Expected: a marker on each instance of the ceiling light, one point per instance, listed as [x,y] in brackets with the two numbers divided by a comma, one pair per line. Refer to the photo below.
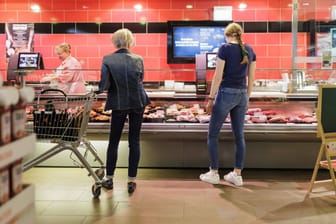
[189,6]
[242,6]
[35,8]
[137,7]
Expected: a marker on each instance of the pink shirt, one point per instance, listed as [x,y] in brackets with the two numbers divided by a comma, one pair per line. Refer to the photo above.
[70,76]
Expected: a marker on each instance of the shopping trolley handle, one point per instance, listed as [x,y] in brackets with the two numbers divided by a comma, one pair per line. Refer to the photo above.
[53,90]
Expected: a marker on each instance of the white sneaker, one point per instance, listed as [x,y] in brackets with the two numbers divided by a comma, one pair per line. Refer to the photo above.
[233,178]
[210,177]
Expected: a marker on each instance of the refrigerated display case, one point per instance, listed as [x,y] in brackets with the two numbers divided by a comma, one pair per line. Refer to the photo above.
[278,127]
[280,123]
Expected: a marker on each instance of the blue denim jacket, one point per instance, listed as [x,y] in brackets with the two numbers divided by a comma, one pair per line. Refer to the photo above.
[122,74]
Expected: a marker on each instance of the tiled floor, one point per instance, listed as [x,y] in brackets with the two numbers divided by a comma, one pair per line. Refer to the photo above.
[176,196]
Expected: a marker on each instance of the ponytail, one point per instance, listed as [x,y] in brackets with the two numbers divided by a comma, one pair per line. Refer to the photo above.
[245,53]
[235,30]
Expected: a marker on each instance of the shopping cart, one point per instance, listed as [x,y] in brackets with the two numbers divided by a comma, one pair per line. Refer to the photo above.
[62,119]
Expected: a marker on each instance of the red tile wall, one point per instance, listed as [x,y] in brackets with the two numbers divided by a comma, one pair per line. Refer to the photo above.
[273,49]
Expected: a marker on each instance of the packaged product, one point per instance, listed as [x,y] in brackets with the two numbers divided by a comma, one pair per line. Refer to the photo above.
[6,95]
[16,177]
[26,95]
[4,185]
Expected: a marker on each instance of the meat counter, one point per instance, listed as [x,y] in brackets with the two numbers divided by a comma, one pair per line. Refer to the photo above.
[268,111]
[279,127]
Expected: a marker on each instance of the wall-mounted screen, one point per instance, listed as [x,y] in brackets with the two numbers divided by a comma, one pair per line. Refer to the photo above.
[185,39]
[30,60]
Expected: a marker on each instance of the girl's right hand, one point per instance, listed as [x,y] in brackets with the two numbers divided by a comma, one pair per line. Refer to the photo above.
[209,106]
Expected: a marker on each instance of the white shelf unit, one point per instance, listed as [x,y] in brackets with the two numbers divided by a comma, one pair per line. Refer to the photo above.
[16,207]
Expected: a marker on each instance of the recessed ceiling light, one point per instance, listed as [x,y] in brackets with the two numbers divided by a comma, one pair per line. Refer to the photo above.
[137,7]
[189,6]
[35,8]
[242,5]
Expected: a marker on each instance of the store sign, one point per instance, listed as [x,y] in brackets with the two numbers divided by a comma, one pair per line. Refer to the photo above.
[19,38]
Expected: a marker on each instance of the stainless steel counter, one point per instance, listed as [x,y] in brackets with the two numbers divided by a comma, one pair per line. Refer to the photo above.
[289,128]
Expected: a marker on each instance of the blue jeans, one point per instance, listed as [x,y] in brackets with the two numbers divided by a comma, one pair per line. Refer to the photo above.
[135,118]
[235,102]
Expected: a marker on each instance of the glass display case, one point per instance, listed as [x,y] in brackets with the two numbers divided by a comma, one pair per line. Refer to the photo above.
[280,121]
[284,103]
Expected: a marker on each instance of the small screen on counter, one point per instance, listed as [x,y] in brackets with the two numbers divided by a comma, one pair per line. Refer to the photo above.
[211,59]
[28,60]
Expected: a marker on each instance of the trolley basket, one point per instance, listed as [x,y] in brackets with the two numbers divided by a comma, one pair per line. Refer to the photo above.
[60,118]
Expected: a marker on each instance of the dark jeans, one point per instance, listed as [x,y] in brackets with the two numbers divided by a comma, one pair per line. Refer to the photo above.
[135,117]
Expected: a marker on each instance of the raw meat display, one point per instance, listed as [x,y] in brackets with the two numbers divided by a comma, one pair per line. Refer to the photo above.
[186,115]
[251,111]
[98,114]
[258,119]
[203,118]
[194,112]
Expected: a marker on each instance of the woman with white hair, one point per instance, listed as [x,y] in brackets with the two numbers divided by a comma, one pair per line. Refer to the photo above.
[122,74]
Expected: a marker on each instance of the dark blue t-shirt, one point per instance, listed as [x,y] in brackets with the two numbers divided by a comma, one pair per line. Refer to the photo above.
[234,75]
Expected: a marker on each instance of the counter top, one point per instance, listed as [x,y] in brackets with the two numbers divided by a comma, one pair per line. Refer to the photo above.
[198,127]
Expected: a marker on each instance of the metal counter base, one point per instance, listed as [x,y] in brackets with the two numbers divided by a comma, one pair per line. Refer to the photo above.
[183,145]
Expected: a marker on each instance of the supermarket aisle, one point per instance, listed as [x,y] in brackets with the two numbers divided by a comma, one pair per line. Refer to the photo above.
[176,196]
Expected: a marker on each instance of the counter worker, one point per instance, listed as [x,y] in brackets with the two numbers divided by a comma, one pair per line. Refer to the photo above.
[68,75]
[122,74]
[230,91]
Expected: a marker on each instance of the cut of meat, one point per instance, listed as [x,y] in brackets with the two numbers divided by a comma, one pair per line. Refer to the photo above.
[278,119]
[259,119]
[251,111]
[269,112]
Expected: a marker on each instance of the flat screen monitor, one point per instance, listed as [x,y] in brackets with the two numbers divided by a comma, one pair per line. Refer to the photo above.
[30,60]
[211,59]
[333,41]
[185,39]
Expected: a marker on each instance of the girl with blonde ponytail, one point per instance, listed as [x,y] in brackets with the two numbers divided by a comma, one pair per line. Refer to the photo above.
[234,30]
[230,91]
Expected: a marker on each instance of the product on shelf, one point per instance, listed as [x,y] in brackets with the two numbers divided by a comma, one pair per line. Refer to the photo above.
[4,185]
[16,177]
[8,97]
[26,95]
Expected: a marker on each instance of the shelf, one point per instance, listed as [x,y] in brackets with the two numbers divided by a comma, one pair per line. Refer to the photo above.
[18,204]
[16,150]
